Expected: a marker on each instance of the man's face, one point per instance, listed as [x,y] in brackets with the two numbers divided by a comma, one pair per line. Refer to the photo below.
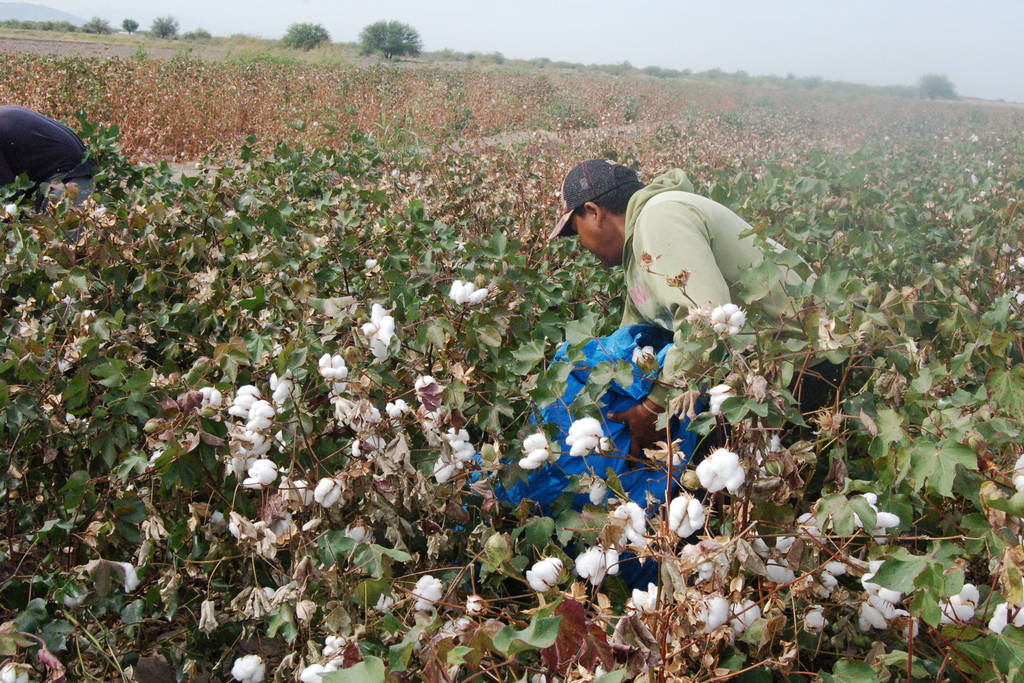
[598,234]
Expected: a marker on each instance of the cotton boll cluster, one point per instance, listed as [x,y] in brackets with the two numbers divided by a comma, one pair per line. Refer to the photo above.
[537,450]
[334,646]
[298,491]
[262,472]
[281,388]
[333,368]
[598,491]
[827,581]
[379,331]
[384,603]
[719,393]
[464,293]
[396,410]
[11,210]
[777,572]
[543,576]
[595,563]
[634,523]
[685,516]
[586,435]
[428,392]
[248,669]
[1004,615]
[367,446]
[462,451]
[644,602]
[883,520]
[960,607]
[728,320]
[211,397]
[721,470]
[327,492]
[706,559]
[427,592]
[261,415]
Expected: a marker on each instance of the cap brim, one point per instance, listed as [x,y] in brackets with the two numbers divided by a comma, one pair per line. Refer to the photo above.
[563,228]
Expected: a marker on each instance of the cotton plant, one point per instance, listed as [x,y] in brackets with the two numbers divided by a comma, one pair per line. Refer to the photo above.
[721,470]
[379,331]
[464,293]
[586,436]
[543,576]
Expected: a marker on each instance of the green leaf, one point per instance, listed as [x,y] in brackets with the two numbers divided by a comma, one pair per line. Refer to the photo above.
[899,571]
[611,677]
[370,670]
[541,633]
[398,655]
[850,672]
[1006,389]
[538,531]
[862,508]
[457,655]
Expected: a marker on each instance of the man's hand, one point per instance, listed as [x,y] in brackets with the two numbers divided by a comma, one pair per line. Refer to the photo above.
[643,432]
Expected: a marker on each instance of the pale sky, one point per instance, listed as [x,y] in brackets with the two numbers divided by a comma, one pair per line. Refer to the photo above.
[979,45]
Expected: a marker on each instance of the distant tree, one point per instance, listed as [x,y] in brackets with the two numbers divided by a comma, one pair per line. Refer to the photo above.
[164,27]
[391,39]
[937,86]
[130,25]
[305,36]
[97,25]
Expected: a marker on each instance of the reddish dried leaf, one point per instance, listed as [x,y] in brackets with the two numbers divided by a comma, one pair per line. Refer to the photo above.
[579,640]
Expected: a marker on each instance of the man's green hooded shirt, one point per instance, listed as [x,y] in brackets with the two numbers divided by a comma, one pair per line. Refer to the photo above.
[675,236]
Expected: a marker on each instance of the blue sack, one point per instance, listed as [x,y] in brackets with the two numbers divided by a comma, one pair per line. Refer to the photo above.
[547,483]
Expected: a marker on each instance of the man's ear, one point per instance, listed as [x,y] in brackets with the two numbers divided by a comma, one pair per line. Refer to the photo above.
[591,210]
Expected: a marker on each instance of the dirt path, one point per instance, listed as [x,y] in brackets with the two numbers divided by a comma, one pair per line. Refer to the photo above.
[65,48]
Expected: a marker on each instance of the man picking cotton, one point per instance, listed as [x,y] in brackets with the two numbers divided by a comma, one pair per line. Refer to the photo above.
[680,251]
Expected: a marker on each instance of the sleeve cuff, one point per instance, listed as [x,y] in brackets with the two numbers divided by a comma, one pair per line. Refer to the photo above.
[659,395]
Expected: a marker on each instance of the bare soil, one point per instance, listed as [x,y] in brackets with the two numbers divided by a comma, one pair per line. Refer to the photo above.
[82,48]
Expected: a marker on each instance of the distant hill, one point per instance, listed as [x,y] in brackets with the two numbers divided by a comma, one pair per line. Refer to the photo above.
[25,11]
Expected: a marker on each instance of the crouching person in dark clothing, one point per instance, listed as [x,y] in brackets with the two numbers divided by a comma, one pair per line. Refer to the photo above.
[46,151]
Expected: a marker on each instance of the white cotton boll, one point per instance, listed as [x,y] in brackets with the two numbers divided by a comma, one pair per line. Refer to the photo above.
[300,487]
[728,320]
[714,613]
[544,574]
[828,585]
[457,292]
[635,526]
[777,573]
[244,398]
[333,368]
[784,543]
[261,415]
[262,472]
[809,525]
[131,577]
[743,615]
[598,491]
[719,393]
[396,409]
[960,607]
[875,615]
[384,603]
[11,673]
[595,563]
[211,397]
[334,645]
[646,602]
[312,673]
[886,520]
[248,669]
[721,470]
[444,471]
[814,619]
[12,211]
[478,296]
[281,388]
[327,492]
[370,263]
[760,547]
[537,451]
[427,592]
[584,436]
[1002,616]
[835,568]
[359,532]
[685,516]
[475,604]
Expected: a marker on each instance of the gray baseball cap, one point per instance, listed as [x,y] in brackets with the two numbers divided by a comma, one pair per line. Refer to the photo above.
[587,181]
